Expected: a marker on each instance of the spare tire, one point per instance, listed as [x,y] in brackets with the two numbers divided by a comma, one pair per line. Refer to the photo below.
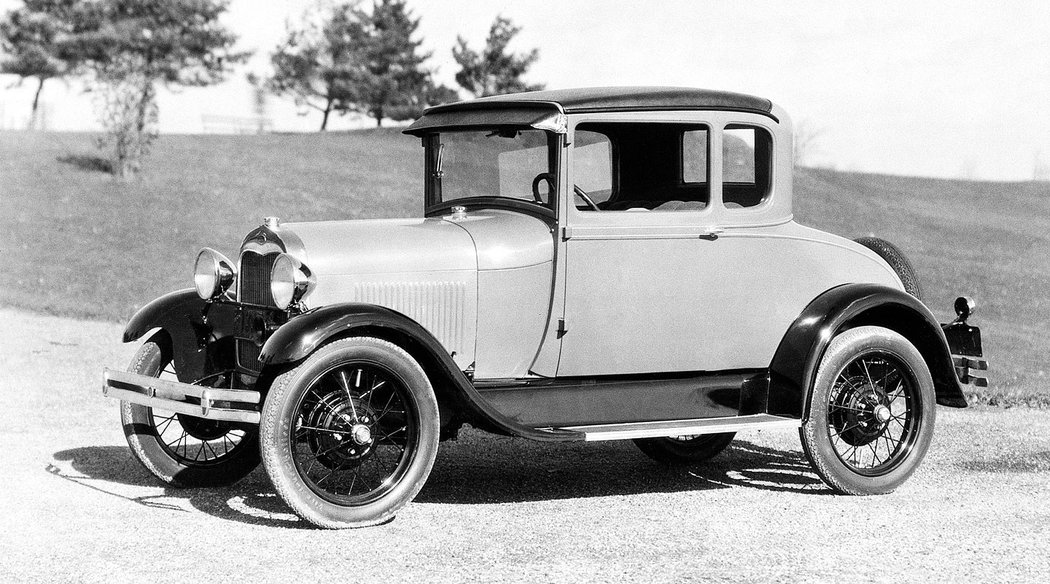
[895,258]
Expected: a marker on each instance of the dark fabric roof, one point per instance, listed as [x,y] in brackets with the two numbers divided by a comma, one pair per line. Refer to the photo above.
[523,108]
[622,98]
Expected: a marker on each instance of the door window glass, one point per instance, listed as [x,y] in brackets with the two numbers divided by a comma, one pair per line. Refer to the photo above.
[747,163]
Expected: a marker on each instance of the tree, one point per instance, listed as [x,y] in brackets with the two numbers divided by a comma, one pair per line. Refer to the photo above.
[134,45]
[36,38]
[392,81]
[494,70]
[358,61]
[313,65]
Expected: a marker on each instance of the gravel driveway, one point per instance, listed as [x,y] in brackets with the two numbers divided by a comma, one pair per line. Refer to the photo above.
[76,507]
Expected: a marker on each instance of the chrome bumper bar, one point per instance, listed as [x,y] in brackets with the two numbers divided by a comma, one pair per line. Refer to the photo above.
[184,398]
[964,368]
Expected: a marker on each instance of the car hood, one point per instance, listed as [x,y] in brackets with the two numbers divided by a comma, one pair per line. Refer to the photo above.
[484,240]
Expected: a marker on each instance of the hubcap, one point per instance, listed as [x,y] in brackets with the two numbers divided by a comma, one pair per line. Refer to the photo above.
[362,435]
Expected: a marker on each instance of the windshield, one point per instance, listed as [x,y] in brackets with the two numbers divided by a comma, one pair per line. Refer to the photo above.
[493,166]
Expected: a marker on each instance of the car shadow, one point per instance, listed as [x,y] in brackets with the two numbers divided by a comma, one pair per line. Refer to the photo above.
[516,470]
[112,470]
[1012,463]
[488,470]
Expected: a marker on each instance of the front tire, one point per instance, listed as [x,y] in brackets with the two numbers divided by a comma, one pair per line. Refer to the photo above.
[871,412]
[350,434]
[181,450]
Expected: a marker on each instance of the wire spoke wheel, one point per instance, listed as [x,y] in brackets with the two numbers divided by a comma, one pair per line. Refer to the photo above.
[183,450]
[350,433]
[871,412]
[355,428]
[685,449]
[871,418]
[193,441]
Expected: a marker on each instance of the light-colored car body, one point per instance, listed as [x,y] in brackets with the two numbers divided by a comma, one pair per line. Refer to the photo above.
[640,292]
[591,264]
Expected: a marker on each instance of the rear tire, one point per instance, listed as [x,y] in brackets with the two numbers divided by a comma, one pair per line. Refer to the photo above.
[871,413]
[896,259]
[676,450]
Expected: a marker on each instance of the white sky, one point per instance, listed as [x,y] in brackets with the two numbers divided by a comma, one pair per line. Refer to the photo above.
[906,87]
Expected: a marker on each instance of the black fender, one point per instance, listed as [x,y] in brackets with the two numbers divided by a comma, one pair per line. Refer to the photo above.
[303,334]
[193,325]
[794,365]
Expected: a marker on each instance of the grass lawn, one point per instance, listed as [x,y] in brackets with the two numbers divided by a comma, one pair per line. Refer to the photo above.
[75,242]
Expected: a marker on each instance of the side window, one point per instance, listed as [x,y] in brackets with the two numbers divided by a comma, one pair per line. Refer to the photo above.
[640,166]
[747,165]
[694,156]
[592,166]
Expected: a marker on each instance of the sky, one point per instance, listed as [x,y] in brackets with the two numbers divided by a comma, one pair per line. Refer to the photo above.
[927,88]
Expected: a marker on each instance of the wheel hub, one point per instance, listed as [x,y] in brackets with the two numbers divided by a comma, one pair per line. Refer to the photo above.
[860,412]
[340,430]
[203,429]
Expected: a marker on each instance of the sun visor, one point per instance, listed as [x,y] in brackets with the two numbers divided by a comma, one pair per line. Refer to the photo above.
[541,116]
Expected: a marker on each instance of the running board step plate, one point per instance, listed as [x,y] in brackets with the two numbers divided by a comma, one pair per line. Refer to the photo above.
[683,427]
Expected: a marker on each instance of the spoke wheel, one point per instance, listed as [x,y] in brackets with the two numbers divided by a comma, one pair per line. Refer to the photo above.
[350,434]
[354,426]
[685,449]
[870,419]
[871,412]
[182,450]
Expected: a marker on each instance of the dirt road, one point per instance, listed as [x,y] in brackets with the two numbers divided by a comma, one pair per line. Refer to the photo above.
[74,506]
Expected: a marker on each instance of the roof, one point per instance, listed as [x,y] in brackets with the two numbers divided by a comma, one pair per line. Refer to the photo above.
[589,99]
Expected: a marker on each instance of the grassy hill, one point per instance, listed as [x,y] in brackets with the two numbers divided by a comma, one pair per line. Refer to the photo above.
[75,242]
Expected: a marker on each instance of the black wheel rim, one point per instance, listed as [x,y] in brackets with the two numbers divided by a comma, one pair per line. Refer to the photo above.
[195,442]
[874,413]
[355,434]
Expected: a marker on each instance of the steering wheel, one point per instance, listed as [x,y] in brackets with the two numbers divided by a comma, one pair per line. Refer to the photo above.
[543,176]
[579,193]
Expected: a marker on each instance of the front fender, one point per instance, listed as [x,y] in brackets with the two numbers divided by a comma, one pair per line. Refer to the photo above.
[192,324]
[173,310]
[303,334]
[794,365]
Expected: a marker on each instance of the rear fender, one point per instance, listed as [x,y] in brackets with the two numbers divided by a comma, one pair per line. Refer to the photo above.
[794,365]
[303,334]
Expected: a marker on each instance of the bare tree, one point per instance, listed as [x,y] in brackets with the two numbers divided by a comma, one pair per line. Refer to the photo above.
[805,141]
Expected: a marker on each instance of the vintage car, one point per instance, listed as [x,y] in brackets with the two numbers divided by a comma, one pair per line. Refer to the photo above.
[591,264]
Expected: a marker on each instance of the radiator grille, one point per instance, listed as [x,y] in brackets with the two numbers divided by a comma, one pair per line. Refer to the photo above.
[255,278]
[254,289]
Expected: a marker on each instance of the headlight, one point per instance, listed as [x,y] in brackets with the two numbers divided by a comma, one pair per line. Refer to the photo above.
[213,274]
[290,281]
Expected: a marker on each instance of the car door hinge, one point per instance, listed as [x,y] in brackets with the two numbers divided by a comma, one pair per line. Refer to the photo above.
[561,328]
[566,233]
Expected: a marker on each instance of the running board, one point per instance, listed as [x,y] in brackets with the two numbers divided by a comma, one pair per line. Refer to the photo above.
[682,427]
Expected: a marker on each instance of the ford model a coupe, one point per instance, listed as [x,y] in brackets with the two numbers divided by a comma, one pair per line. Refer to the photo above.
[593,264]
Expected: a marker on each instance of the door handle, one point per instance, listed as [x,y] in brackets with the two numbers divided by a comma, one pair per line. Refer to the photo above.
[711,233]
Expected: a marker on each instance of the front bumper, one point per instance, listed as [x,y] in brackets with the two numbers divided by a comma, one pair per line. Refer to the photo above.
[212,403]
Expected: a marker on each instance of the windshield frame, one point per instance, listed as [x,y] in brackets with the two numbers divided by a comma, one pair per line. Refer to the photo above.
[432,182]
